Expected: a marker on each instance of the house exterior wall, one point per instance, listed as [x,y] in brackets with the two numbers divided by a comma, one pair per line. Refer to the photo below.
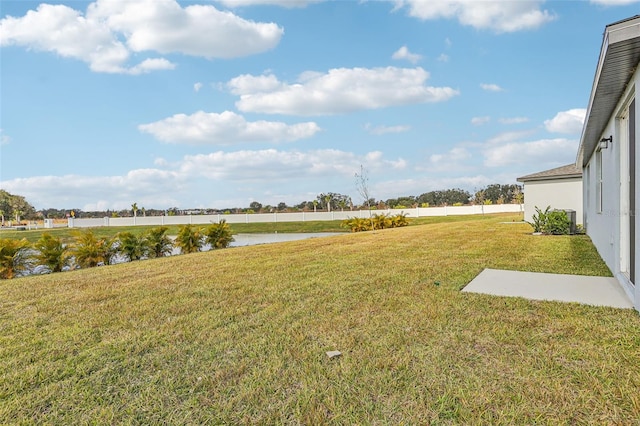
[561,194]
[604,227]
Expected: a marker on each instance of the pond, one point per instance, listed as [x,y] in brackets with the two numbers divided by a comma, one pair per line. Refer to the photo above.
[254,239]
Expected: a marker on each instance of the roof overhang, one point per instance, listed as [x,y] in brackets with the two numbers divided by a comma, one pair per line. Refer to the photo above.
[619,58]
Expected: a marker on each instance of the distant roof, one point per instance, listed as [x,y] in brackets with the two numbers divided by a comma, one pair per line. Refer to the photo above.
[564,172]
[619,57]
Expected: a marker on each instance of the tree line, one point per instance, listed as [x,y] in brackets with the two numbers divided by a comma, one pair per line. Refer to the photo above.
[15,207]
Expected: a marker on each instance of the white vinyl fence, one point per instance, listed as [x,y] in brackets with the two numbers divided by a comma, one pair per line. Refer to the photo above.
[290,217]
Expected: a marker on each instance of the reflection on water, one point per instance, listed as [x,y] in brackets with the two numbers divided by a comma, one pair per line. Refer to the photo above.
[254,239]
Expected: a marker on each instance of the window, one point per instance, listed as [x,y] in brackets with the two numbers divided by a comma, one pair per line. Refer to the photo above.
[599,181]
[587,185]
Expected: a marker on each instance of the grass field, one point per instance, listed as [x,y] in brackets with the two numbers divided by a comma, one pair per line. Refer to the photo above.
[239,336]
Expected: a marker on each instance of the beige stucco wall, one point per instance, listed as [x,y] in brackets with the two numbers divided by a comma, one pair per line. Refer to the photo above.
[562,194]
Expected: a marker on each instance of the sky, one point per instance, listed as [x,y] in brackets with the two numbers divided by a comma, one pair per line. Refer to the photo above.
[216,104]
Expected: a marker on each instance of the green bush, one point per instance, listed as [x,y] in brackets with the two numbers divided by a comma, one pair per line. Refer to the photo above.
[557,223]
[553,222]
[377,221]
[160,244]
[132,247]
[15,258]
[218,235]
[89,251]
[51,253]
[539,219]
[189,239]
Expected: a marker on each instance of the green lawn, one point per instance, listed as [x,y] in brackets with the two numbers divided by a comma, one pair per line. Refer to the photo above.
[239,336]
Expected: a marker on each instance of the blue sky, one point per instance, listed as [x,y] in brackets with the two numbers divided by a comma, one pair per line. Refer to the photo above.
[220,103]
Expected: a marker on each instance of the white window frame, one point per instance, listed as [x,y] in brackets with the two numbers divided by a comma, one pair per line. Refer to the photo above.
[599,182]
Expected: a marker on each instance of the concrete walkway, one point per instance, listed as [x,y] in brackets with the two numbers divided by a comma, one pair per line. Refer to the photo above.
[598,291]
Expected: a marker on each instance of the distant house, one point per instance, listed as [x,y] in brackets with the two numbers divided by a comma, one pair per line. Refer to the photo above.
[609,156]
[560,188]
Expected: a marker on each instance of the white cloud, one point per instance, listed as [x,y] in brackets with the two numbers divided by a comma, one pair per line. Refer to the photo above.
[110,31]
[150,187]
[382,130]
[513,120]
[197,86]
[546,151]
[226,128]
[198,30]
[149,65]
[498,16]
[271,165]
[228,171]
[506,137]
[479,121]
[491,87]
[569,122]
[614,2]
[453,159]
[289,4]
[443,58]
[4,138]
[339,90]
[404,53]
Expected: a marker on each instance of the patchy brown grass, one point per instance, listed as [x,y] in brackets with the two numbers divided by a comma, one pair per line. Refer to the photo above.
[239,336]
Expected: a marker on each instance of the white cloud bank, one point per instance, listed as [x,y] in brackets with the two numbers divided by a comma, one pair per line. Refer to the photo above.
[498,16]
[340,90]
[569,122]
[545,152]
[226,128]
[165,185]
[289,4]
[110,31]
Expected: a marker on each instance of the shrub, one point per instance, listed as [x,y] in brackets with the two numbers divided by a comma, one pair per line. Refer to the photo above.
[539,219]
[554,222]
[14,257]
[218,235]
[51,253]
[357,224]
[160,244]
[377,221]
[89,251]
[189,239]
[399,220]
[558,223]
[132,247]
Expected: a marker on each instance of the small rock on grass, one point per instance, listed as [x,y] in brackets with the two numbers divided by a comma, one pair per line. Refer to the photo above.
[334,354]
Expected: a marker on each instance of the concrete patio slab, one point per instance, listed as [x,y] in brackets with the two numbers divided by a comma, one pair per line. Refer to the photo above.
[597,291]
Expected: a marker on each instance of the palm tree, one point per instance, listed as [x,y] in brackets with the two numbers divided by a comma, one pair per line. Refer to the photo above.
[15,258]
[52,254]
[108,249]
[160,244]
[218,235]
[132,247]
[90,251]
[134,207]
[189,239]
